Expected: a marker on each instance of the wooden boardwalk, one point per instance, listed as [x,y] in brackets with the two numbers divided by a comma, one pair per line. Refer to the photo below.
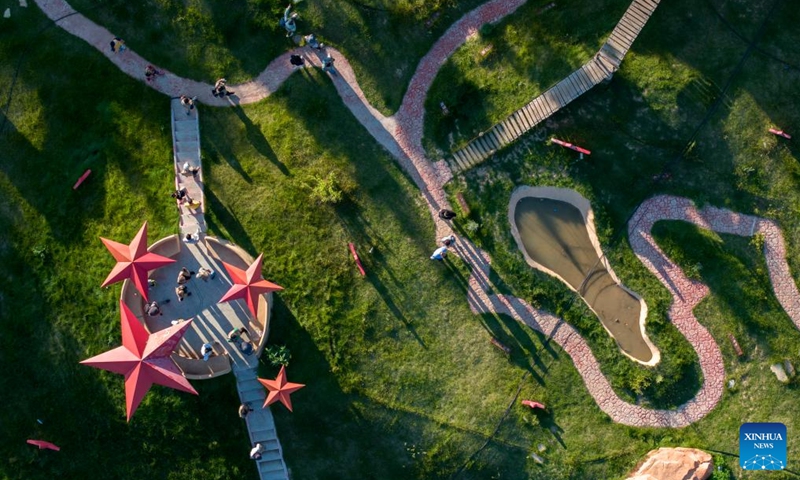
[593,72]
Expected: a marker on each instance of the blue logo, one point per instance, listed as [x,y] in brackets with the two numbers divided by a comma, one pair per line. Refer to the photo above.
[762,446]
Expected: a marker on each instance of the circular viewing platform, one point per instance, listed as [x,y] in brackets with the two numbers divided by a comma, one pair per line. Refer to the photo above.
[211,321]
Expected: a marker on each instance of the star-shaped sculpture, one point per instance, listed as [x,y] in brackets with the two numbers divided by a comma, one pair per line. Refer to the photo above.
[133,261]
[248,285]
[144,359]
[280,389]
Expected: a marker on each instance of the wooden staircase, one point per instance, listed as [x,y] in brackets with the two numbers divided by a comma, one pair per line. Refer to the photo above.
[595,71]
[261,426]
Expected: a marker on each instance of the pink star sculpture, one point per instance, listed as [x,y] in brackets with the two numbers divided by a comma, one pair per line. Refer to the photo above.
[280,389]
[134,261]
[144,359]
[248,285]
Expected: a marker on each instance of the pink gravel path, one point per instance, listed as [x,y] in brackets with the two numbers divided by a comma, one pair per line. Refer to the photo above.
[686,295]
[401,135]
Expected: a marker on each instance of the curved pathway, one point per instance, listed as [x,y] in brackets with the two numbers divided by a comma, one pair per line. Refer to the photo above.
[401,135]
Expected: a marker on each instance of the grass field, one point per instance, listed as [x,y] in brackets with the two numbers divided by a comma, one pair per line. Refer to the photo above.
[402,381]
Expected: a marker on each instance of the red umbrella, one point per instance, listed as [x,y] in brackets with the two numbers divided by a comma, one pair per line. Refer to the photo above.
[133,261]
[248,285]
[280,389]
[42,444]
[144,359]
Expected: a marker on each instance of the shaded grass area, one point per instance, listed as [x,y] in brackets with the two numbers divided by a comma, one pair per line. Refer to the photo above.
[505,67]
[204,40]
[653,130]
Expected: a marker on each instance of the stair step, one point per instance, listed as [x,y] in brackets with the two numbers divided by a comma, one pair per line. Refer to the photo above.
[264,433]
[271,465]
[257,420]
[185,125]
[189,136]
[274,476]
[186,146]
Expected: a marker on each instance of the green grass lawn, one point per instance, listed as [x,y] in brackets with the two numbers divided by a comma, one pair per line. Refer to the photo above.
[402,381]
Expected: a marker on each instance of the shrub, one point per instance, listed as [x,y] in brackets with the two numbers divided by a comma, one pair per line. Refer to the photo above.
[278,355]
[325,189]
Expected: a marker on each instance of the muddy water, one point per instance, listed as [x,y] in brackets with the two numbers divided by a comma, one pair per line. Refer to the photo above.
[555,236]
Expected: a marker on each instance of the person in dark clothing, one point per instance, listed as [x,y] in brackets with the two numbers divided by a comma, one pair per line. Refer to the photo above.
[296,60]
[447,214]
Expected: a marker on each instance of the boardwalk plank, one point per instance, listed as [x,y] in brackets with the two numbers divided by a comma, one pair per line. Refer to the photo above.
[540,107]
[523,117]
[530,121]
[584,79]
[456,162]
[490,137]
[512,125]
[477,153]
[533,113]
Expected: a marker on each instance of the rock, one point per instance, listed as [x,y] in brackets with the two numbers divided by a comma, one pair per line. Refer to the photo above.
[673,463]
[787,365]
[23,3]
[7,13]
[731,383]
[779,372]
[537,458]
[542,448]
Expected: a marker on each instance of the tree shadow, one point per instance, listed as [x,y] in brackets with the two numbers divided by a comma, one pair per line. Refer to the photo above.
[219,218]
[258,141]
[523,351]
[326,418]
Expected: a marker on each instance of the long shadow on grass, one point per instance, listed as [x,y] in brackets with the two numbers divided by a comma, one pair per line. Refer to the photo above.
[45,177]
[220,217]
[320,109]
[258,141]
[326,419]
[523,351]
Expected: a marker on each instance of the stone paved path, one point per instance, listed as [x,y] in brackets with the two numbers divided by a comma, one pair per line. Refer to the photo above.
[401,135]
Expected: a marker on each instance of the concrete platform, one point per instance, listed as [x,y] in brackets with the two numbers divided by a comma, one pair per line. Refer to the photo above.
[211,321]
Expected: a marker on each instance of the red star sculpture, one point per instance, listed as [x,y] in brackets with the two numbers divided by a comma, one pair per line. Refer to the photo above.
[248,285]
[280,389]
[144,359]
[133,261]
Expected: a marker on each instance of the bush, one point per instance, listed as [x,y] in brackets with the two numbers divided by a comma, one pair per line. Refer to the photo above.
[278,355]
[325,189]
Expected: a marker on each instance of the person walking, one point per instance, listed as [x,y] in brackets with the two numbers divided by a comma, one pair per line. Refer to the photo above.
[287,21]
[327,64]
[150,73]
[439,254]
[244,409]
[188,103]
[221,89]
[256,451]
[448,241]
[118,45]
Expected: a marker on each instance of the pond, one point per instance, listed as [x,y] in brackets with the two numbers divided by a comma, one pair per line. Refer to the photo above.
[554,228]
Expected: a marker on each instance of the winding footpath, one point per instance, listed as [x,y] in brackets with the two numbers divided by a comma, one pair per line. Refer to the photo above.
[401,135]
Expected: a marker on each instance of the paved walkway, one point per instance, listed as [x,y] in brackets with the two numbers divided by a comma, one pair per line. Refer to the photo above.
[401,135]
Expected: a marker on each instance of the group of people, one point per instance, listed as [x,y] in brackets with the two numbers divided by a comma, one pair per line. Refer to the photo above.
[446,242]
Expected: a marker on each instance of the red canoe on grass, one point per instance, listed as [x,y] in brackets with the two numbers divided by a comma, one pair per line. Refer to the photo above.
[43,444]
[532,404]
